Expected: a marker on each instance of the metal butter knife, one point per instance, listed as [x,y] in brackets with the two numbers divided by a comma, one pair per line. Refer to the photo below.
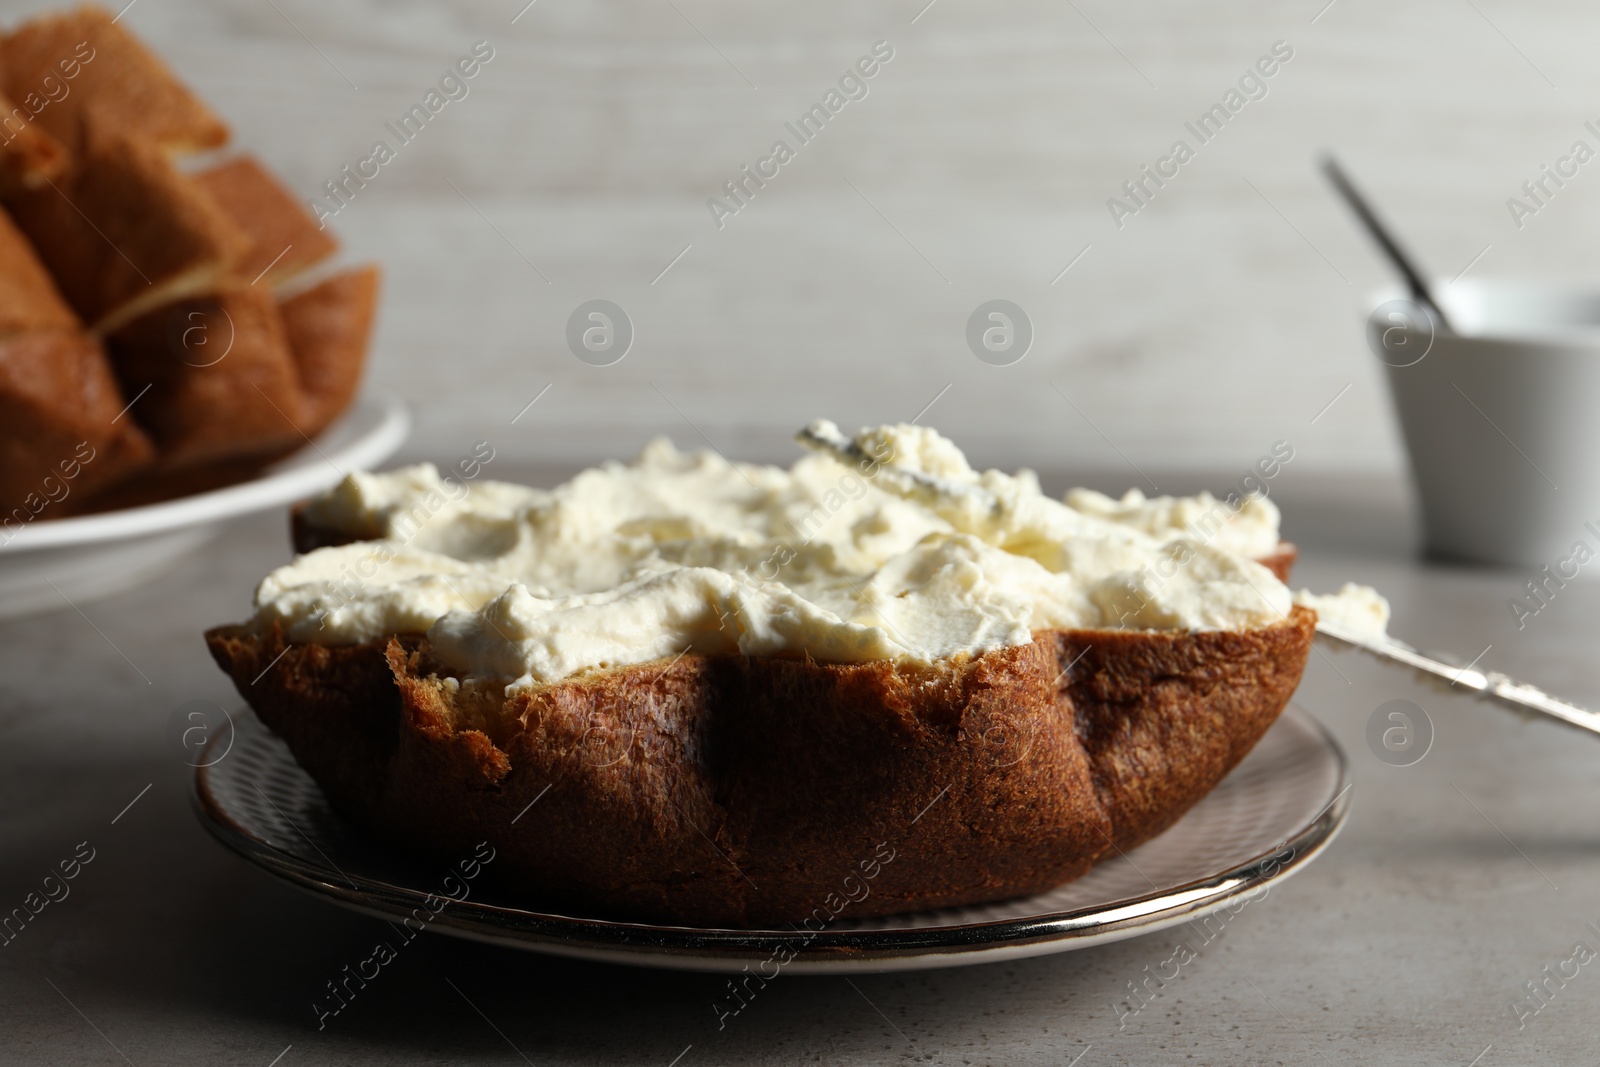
[1491,685]
[928,490]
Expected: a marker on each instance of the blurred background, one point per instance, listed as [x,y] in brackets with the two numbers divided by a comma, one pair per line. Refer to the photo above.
[1222,317]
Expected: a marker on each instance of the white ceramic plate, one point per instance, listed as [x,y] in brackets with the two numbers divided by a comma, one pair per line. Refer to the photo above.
[48,564]
[1277,810]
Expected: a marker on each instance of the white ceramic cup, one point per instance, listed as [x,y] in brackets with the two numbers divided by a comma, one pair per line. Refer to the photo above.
[1502,419]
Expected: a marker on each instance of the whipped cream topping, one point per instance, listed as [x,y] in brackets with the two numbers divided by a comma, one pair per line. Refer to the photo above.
[1357,610]
[629,563]
[1251,531]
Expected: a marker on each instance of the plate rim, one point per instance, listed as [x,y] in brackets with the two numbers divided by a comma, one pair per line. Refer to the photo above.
[391,426]
[714,948]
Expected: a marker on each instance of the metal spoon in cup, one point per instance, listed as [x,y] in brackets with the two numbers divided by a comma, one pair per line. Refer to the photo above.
[1386,241]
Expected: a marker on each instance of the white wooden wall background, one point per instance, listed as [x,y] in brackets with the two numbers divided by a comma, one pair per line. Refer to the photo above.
[1223,317]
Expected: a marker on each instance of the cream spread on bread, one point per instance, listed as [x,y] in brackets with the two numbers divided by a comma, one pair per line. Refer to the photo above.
[1358,610]
[1251,530]
[628,563]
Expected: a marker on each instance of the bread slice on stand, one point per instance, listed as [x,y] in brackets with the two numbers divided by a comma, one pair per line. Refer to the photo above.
[180,273]
[285,239]
[67,431]
[70,63]
[29,157]
[223,383]
[124,232]
[329,327]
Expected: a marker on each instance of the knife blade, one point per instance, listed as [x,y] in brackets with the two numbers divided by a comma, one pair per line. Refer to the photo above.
[1491,685]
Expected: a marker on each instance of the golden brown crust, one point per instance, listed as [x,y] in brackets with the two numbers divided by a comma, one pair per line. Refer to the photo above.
[29,157]
[223,386]
[731,790]
[105,71]
[124,232]
[29,299]
[285,239]
[308,536]
[1164,716]
[65,436]
[1282,560]
[109,232]
[328,327]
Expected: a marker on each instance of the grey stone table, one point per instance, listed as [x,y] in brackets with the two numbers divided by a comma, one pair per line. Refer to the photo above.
[1456,882]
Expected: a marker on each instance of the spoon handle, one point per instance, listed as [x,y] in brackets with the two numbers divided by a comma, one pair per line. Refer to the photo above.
[927,489]
[1386,241]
